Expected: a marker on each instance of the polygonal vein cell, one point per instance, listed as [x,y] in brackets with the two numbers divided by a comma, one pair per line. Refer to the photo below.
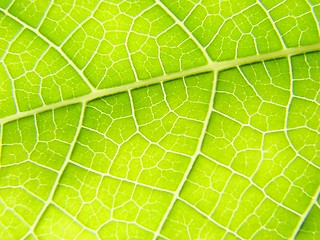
[33,151]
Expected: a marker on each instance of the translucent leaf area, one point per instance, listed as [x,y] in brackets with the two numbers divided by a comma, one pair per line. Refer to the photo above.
[165,119]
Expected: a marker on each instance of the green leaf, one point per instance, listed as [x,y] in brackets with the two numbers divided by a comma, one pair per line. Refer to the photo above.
[160,119]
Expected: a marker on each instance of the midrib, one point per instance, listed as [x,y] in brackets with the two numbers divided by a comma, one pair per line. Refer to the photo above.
[212,66]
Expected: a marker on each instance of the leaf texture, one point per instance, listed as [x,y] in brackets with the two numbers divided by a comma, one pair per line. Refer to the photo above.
[190,119]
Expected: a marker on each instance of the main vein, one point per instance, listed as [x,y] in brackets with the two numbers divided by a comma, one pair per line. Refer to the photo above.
[212,66]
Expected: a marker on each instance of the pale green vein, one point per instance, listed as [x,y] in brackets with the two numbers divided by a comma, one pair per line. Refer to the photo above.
[213,66]
[185,29]
[61,171]
[58,49]
[305,214]
[193,159]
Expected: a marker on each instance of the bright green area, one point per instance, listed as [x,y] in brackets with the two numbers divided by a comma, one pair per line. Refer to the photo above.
[30,12]
[40,74]
[182,217]
[33,150]
[113,126]
[171,117]
[255,94]
[311,226]
[60,226]
[295,21]
[304,112]
[7,103]
[305,81]
[233,145]
[63,17]
[100,199]
[226,29]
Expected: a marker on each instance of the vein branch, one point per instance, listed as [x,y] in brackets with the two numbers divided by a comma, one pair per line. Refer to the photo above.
[61,171]
[185,29]
[304,216]
[193,160]
[212,66]
[57,48]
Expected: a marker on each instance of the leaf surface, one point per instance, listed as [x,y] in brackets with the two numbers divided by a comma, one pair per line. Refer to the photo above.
[159,119]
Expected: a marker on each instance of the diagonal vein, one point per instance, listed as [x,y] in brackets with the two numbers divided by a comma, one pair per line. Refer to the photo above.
[212,66]
[304,216]
[56,182]
[57,48]
[185,29]
[193,160]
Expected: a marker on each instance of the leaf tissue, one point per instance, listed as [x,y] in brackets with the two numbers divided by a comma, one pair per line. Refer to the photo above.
[165,119]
